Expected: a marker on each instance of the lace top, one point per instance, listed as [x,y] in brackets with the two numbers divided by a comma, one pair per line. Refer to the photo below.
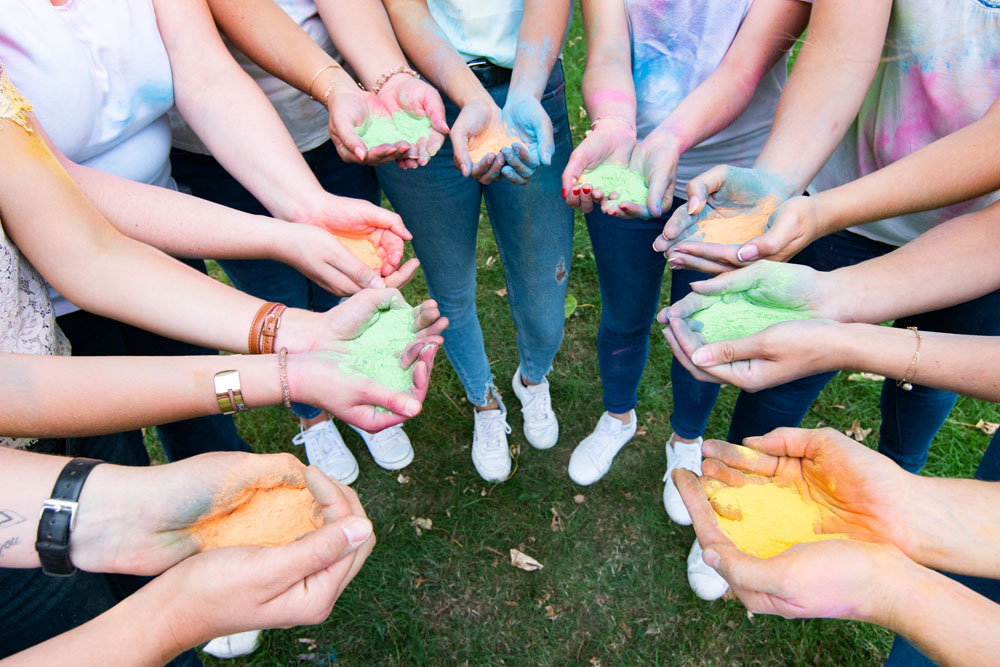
[27,321]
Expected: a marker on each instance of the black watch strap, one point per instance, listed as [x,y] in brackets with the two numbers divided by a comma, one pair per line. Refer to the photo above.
[58,518]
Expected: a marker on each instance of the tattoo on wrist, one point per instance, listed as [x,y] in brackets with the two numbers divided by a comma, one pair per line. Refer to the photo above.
[10,518]
[12,542]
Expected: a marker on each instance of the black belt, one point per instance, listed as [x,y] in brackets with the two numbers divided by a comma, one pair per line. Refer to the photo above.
[57,446]
[489,74]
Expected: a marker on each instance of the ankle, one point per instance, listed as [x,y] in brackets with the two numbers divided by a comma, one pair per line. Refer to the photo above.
[492,405]
[308,423]
[623,417]
[685,441]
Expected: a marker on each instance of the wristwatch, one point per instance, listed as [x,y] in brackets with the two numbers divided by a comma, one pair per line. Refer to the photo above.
[58,518]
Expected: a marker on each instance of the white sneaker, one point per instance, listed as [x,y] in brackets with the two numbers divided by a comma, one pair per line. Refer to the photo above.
[540,426]
[233,646]
[679,455]
[490,453]
[390,447]
[704,581]
[592,458]
[326,450]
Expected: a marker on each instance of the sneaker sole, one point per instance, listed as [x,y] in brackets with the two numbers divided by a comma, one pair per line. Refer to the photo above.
[381,463]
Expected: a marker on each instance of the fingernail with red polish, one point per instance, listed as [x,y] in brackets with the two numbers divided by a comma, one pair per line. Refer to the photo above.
[576,191]
[586,189]
[564,193]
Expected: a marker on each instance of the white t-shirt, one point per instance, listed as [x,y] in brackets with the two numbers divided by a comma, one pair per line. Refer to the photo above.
[675,46]
[940,71]
[306,119]
[99,78]
[481,29]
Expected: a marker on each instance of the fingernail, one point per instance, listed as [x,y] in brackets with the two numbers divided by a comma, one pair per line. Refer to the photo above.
[676,264]
[586,189]
[748,253]
[376,282]
[711,558]
[411,408]
[701,357]
[564,193]
[576,191]
[547,159]
[357,530]
[360,153]
[693,205]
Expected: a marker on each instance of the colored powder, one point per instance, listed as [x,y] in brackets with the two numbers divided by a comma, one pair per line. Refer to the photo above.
[765,519]
[375,353]
[739,228]
[493,141]
[630,185]
[400,126]
[274,516]
[363,249]
[736,316]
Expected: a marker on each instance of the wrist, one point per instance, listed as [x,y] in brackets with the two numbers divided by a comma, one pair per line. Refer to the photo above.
[102,521]
[296,332]
[781,183]
[891,604]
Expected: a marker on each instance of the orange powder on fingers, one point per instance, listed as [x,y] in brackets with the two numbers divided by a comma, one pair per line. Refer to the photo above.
[739,228]
[765,519]
[492,142]
[271,517]
[363,249]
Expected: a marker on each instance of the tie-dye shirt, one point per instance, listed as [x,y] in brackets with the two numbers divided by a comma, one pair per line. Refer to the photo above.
[677,44]
[940,72]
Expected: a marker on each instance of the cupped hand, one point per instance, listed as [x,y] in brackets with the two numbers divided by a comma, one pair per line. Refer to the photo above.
[477,119]
[655,157]
[720,192]
[351,108]
[418,98]
[524,116]
[236,589]
[609,142]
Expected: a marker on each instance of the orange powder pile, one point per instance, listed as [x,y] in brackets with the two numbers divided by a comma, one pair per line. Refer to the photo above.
[738,228]
[363,249]
[765,519]
[491,142]
[271,517]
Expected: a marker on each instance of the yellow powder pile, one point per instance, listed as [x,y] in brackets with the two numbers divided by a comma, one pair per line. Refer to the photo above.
[765,519]
[363,249]
[738,228]
[271,517]
[492,142]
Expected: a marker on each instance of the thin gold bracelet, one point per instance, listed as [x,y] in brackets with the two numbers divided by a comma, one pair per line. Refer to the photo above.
[911,370]
[312,81]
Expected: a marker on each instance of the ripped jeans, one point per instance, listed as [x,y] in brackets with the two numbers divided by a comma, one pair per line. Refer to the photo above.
[533,228]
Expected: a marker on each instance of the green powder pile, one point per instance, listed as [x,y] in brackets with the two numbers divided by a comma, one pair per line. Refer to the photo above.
[736,316]
[400,126]
[375,353]
[629,185]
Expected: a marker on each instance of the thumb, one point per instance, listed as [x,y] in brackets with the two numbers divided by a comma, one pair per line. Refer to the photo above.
[739,280]
[578,161]
[777,241]
[460,149]
[727,351]
[546,139]
[701,186]
[658,181]
[739,569]
[318,549]
[344,128]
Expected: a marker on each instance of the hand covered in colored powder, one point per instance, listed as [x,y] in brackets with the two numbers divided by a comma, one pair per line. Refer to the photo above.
[329,377]
[245,588]
[721,192]
[524,116]
[862,494]
[478,122]
[611,142]
[655,156]
[403,92]
[138,520]
[351,108]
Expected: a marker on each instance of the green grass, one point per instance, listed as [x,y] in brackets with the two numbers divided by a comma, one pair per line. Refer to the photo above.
[613,590]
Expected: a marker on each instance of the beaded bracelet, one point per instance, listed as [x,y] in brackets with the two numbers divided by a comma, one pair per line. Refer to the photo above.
[382,80]
[286,394]
[911,370]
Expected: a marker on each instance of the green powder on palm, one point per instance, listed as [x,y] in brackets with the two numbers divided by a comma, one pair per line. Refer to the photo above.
[400,126]
[736,316]
[375,353]
[630,185]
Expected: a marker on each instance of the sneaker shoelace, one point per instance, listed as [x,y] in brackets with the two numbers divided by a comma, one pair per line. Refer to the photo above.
[539,405]
[687,456]
[326,445]
[490,427]
[607,428]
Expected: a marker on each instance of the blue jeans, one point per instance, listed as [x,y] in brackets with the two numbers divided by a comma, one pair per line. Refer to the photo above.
[96,336]
[630,273]
[534,233]
[910,419]
[264,278]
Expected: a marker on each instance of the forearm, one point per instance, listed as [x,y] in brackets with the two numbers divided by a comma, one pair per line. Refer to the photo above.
[951,263]
[831,76]
[426,46]
[765,35]
[953,169]
[269,37]
[539,43]
[363,34]
[608,89]
[76,396]
[947,361]
[231,114]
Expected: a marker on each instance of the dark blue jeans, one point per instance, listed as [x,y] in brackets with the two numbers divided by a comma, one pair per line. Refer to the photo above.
[905,654]
[910,419]
[95,336]
[630,273]
[35,607]
[533,228]
[265,278]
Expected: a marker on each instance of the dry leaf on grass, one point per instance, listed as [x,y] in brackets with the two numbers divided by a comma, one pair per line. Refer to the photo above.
[857,432]
[550,612]
[502,292]
[641,431]
[420,524]
[556,524]
[579,499]
[523,561]
[854,377]
[989,428]
[490,260]
[403,479]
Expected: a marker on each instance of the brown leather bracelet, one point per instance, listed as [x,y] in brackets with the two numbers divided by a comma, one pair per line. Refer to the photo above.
[255,337]
[270,329]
